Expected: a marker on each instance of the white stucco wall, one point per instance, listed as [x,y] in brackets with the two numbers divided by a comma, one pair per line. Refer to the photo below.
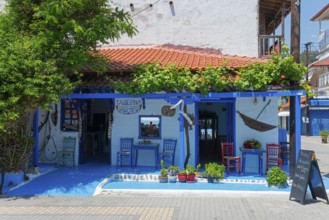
[127,126]
[251,108]
[50,147]
[230,26]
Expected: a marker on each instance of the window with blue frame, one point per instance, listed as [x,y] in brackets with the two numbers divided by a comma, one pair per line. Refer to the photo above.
[70,115]
[149,127]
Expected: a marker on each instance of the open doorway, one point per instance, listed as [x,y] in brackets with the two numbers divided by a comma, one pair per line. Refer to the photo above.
[95,145]
[215,127]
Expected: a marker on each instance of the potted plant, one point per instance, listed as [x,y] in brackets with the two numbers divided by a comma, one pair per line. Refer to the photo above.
[252,144]
[197,172]
[190,172]
[214,172]
[182,176]
[163,177]
[172,173]
[324,136]
[276,177]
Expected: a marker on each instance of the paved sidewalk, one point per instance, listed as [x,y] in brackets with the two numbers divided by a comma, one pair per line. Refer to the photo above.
[221,205]
[321,152]
[145,206]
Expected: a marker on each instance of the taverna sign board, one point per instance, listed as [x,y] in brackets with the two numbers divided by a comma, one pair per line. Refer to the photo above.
[128,106]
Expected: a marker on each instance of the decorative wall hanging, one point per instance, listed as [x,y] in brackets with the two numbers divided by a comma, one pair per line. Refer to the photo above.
[166,111]
[254,123]
[128,106]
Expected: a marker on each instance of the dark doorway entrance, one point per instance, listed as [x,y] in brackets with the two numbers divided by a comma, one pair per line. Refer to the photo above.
[216,120]
[208,126]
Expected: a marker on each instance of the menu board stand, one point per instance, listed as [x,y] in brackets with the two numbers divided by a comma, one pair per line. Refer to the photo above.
[307,173]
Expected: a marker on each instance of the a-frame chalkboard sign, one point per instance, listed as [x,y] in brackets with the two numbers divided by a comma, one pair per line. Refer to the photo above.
[307,173]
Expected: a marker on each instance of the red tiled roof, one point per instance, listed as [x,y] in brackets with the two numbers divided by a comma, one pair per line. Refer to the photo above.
[320,63]
[324,13]
[125,58]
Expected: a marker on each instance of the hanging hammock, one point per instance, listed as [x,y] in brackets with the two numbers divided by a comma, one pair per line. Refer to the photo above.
[254,123]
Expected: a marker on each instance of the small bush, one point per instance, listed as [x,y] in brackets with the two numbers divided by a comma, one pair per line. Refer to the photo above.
[276,177]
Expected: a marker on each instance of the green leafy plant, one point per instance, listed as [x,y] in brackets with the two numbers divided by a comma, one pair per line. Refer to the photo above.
[277,70]
[173,170]
[190,169]
[198,168]
[182,172]
[252,144]
[214,170]
[324,133]
[276,177]
[164,171]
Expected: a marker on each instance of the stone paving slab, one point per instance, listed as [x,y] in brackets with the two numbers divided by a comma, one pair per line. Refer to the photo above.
[150,206]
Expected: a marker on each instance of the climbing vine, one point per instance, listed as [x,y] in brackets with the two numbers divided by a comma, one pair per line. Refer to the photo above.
[277,71]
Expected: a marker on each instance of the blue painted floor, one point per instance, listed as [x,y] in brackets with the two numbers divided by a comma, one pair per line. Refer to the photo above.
[83,180]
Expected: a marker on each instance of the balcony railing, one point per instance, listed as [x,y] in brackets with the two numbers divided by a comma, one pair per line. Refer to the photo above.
[268,44]
[324,40]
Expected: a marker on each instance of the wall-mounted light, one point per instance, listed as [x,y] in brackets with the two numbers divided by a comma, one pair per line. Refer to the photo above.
[132,8]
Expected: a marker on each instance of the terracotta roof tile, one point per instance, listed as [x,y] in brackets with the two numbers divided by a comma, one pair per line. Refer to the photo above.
[124,58]
[320,63]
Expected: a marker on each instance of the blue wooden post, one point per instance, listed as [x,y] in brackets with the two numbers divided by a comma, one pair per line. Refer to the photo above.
[36,137]
[298,126]
[181,140]
[196,134]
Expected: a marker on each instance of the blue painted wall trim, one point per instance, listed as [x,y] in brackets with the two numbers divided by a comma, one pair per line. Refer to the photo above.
[36,138]
[318,102]
[188,97]
[181,140]
[298,126]
[196,134]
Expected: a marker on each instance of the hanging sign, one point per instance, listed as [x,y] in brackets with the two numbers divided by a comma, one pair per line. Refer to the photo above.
[166,111]
[128,106]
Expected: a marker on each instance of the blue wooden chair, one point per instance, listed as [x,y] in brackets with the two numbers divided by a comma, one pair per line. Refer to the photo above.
[168,152]
[125,155]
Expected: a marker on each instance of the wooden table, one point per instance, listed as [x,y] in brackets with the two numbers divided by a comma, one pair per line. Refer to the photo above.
[256,152]
[144,146]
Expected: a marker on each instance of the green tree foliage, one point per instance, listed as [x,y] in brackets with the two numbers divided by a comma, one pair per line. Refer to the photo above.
[44,43]
[277,71]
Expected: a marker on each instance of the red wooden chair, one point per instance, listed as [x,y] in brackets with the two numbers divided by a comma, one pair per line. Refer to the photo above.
[229,160]
[273,156]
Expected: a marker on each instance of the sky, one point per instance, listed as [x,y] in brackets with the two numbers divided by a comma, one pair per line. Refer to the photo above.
[309,29]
